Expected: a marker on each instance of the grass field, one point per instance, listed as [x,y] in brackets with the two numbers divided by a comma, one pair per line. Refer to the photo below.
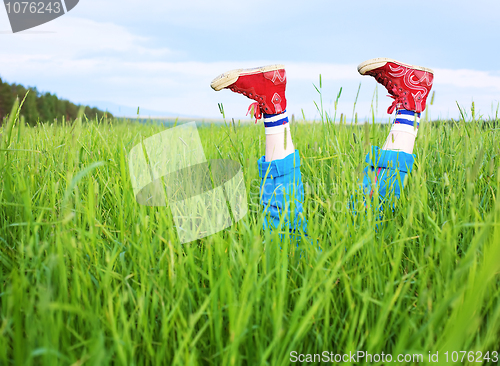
[88,276]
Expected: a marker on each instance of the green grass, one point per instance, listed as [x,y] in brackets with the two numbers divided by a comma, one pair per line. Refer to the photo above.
[88,276]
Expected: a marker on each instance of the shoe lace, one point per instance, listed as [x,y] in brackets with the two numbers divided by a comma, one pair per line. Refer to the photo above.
[392,88]
[397,101]
[256,111]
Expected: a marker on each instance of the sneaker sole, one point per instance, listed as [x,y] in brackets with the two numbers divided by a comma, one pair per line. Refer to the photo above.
[375,63]
[224,80]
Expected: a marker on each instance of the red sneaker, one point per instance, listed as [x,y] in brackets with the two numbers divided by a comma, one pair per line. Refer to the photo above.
[408,85]
[266,85]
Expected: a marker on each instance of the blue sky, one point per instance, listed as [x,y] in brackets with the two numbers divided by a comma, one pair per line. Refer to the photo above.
[161,55]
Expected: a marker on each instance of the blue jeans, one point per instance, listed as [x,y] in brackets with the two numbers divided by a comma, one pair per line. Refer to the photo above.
[390,169]
[282,191]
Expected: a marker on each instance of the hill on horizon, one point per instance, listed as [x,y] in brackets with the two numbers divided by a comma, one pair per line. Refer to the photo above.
[41,107]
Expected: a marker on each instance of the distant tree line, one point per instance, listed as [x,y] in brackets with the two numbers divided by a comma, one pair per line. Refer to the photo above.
[39,107]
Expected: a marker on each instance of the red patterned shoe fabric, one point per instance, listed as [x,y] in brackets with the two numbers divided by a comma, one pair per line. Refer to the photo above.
[408,85]
[266,85]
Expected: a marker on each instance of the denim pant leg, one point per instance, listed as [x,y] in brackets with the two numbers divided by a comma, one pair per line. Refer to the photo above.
[389,170]
[282,193]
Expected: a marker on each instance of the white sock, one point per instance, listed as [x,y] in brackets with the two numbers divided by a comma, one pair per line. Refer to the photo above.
[279,142]
[403,132]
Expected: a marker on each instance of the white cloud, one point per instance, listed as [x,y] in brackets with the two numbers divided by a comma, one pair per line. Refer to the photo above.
[468,79]
[72,37]
[311,71]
